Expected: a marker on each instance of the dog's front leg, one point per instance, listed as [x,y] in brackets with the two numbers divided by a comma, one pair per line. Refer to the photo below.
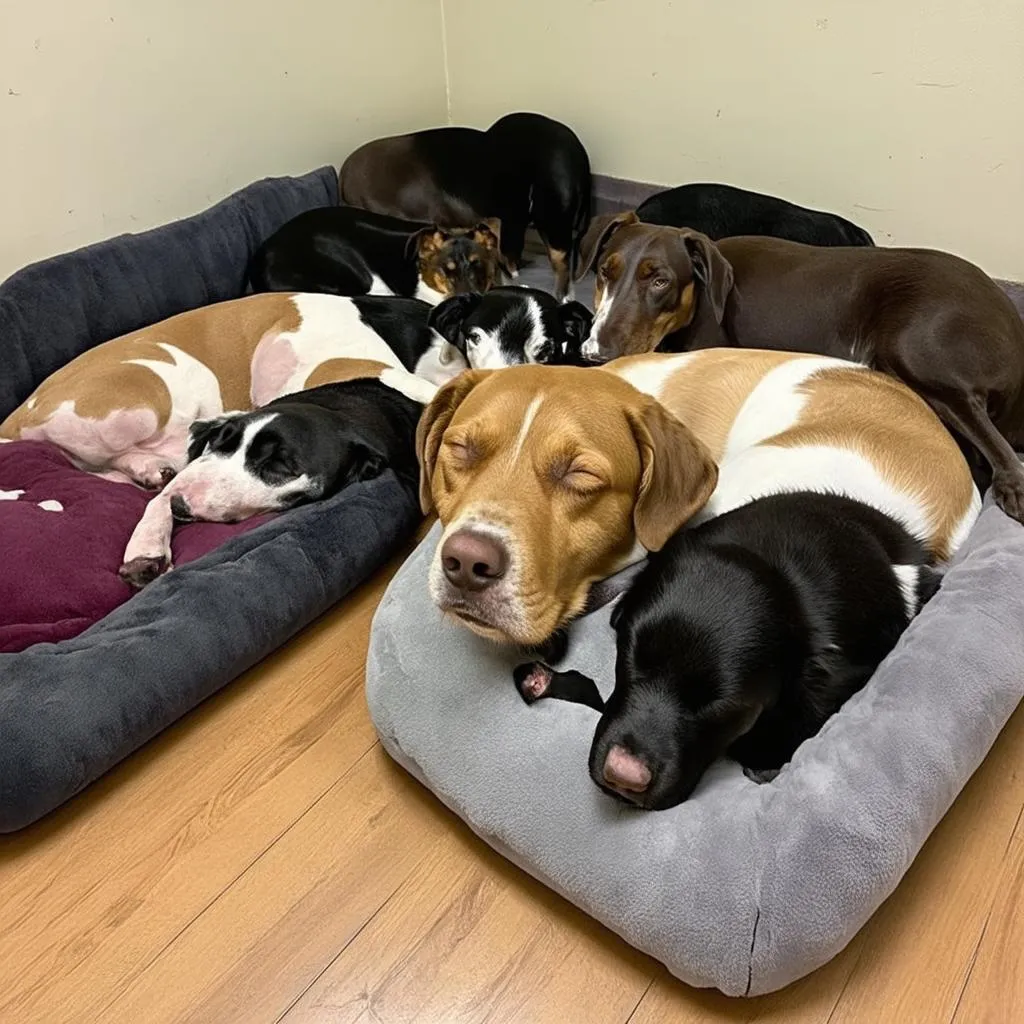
[148,553]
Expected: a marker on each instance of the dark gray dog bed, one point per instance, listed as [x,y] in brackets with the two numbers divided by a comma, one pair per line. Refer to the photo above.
[70,711]
[743,887]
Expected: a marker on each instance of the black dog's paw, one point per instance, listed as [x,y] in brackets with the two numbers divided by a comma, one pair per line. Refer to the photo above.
[532,680]
[761,775]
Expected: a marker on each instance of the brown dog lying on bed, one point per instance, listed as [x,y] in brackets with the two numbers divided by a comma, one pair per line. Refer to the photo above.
[548,479]
[930,319]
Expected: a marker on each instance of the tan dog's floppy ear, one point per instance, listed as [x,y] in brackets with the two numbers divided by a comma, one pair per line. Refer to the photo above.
[488,232]
[426,242]
[600,231]
[712,269]
[434,422]
[678,474]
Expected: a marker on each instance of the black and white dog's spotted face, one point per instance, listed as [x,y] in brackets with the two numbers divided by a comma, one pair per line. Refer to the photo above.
[242,464]
[511,325]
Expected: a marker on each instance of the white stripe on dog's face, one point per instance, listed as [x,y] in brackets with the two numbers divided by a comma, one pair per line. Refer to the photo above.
[483,350]
[222,487]
[538,339]
[591,348]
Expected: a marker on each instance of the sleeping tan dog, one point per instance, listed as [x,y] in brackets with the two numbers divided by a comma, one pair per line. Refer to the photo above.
[548,479]
[125,408]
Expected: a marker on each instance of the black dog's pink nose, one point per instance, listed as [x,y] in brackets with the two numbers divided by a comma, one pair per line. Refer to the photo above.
[625,771]
[473,561]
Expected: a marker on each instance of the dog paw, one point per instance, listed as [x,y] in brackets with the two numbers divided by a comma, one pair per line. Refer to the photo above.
[139,571]
[532,680]
[1008,492]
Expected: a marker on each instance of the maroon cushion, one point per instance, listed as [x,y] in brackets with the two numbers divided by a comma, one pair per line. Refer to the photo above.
[61,542]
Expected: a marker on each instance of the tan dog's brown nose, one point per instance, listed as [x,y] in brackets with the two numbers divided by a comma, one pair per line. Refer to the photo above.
[473,561]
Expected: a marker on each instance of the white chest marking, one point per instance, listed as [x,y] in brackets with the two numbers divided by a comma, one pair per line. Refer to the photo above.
[531,412]
[427,294]
[378,287]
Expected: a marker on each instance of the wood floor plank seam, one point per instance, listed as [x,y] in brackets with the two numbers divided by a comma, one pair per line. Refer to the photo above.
[643,996]
[234,881]
[355,935]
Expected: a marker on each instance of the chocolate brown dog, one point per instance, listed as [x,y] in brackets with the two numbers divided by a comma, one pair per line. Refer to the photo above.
[932,320]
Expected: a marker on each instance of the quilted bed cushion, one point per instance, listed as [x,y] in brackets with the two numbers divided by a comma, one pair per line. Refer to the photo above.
[62,534]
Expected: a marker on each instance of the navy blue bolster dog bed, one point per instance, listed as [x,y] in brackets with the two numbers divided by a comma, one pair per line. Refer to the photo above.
[71,710]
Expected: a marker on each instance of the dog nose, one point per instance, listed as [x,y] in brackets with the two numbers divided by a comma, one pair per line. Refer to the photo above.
[473,561]
[624,770]
[180,509]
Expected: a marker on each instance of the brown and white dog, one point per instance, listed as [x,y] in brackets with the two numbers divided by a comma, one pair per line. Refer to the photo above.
[549,479]
[124,408]
[929,319]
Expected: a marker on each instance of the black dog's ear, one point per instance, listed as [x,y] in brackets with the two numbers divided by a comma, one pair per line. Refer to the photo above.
[448,317]
[362,462]
[204,432]
[598,234]
[711,268]
[576,322]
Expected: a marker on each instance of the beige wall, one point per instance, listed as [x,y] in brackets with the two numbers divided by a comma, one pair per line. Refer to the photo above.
[119,114]
[906,117]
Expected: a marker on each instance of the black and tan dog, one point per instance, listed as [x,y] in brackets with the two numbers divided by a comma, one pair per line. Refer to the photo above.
[525,169]
[339,250]
[932,320]
[743,637]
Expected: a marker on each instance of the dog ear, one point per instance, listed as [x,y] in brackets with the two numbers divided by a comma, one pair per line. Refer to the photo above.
[447,317]
[202,432]
[364,462]
[677,476]
[426,242]
[711,268]
[576,322]
[488,233]
[598,234]
[434,422]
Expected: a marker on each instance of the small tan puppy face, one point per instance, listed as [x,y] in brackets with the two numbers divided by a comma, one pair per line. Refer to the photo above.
[546,480]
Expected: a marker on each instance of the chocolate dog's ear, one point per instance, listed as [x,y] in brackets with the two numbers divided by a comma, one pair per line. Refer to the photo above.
[677,477]
[711,268]
[600,231]
[488,232]
[447,317]
[434,422]
[576,321]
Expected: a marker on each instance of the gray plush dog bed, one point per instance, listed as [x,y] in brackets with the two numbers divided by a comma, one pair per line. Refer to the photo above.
[743,887]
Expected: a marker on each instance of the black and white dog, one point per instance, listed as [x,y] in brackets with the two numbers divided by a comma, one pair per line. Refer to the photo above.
[742,637]
[299,448]
[723,211]
[341,250]
[512,325]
